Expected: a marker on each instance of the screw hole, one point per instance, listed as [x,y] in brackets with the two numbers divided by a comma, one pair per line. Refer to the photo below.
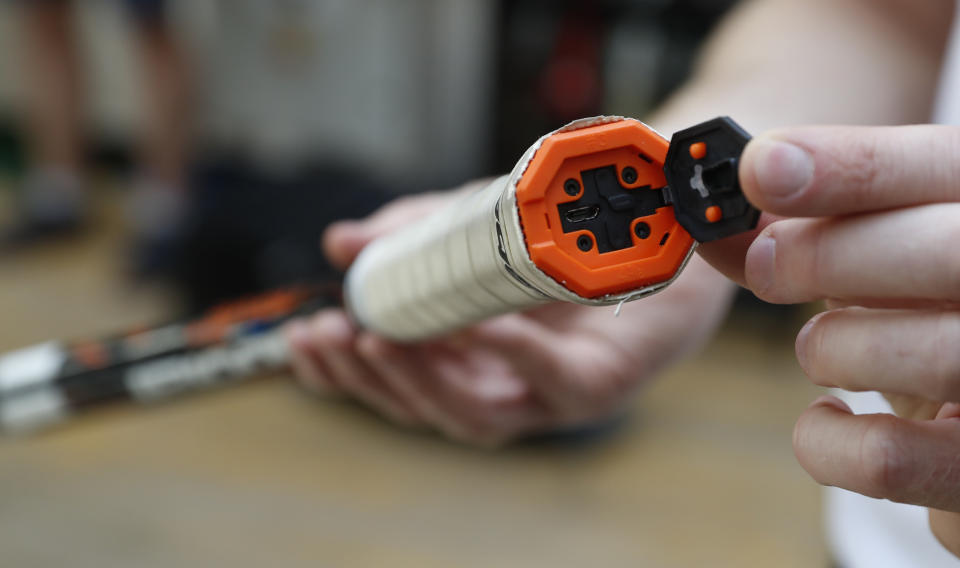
[642,230]
[584,243]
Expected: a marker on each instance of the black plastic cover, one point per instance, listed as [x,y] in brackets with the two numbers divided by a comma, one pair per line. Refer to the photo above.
[696,184]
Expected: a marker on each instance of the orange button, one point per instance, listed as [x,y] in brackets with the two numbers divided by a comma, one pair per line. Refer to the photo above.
[698,151]
[713,214]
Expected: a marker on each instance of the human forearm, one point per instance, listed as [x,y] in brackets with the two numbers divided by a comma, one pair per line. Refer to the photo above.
[779,62]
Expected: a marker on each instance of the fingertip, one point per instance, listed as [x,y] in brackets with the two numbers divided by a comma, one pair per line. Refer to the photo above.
[774,172]
[342,241]
[747,170]
[759,270]
[805,350]
[729,255]
[949,411]
[810,425]
[815,431]
[298,335]
[332,327]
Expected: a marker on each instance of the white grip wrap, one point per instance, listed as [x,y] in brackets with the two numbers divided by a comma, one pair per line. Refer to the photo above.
[463,264]
[439,274]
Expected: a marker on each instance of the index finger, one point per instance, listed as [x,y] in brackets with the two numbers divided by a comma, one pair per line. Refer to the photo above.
[825,171]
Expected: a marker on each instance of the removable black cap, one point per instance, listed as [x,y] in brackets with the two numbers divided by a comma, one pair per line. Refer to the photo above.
[701,170]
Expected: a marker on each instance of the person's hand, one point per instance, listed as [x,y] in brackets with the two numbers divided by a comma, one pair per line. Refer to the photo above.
[556,366]
[874,215]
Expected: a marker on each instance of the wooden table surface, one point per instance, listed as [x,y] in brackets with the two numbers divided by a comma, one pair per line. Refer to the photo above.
[701,473]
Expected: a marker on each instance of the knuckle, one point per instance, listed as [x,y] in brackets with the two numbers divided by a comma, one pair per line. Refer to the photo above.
[949,137]
[948,259]
[368,347]
[820,267]
[610,374]
[886,467]
[596,397]
[946,357]
[860,168]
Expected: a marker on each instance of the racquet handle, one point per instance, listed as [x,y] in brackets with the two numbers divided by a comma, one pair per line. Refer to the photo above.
[599,212]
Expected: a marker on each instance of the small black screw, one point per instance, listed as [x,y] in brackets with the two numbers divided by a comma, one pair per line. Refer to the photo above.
[571,186]
[584,243]
[642,230]
[629,175]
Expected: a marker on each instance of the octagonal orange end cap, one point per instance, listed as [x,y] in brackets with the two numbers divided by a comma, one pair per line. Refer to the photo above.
[592,210]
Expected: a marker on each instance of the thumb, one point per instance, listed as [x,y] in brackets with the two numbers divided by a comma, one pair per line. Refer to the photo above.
[819,171]
[343,240]
[729,255]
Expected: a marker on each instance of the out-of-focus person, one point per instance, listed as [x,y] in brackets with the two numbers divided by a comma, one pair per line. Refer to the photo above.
[54,199]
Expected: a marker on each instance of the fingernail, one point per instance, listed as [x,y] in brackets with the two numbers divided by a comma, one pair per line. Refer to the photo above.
[801,345]
[828,400]
[781,169]
[760,263]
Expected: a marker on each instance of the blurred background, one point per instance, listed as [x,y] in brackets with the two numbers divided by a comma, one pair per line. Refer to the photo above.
[158,158]
[233,131]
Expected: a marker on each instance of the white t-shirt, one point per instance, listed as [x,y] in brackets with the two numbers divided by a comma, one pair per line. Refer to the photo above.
[873,533]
